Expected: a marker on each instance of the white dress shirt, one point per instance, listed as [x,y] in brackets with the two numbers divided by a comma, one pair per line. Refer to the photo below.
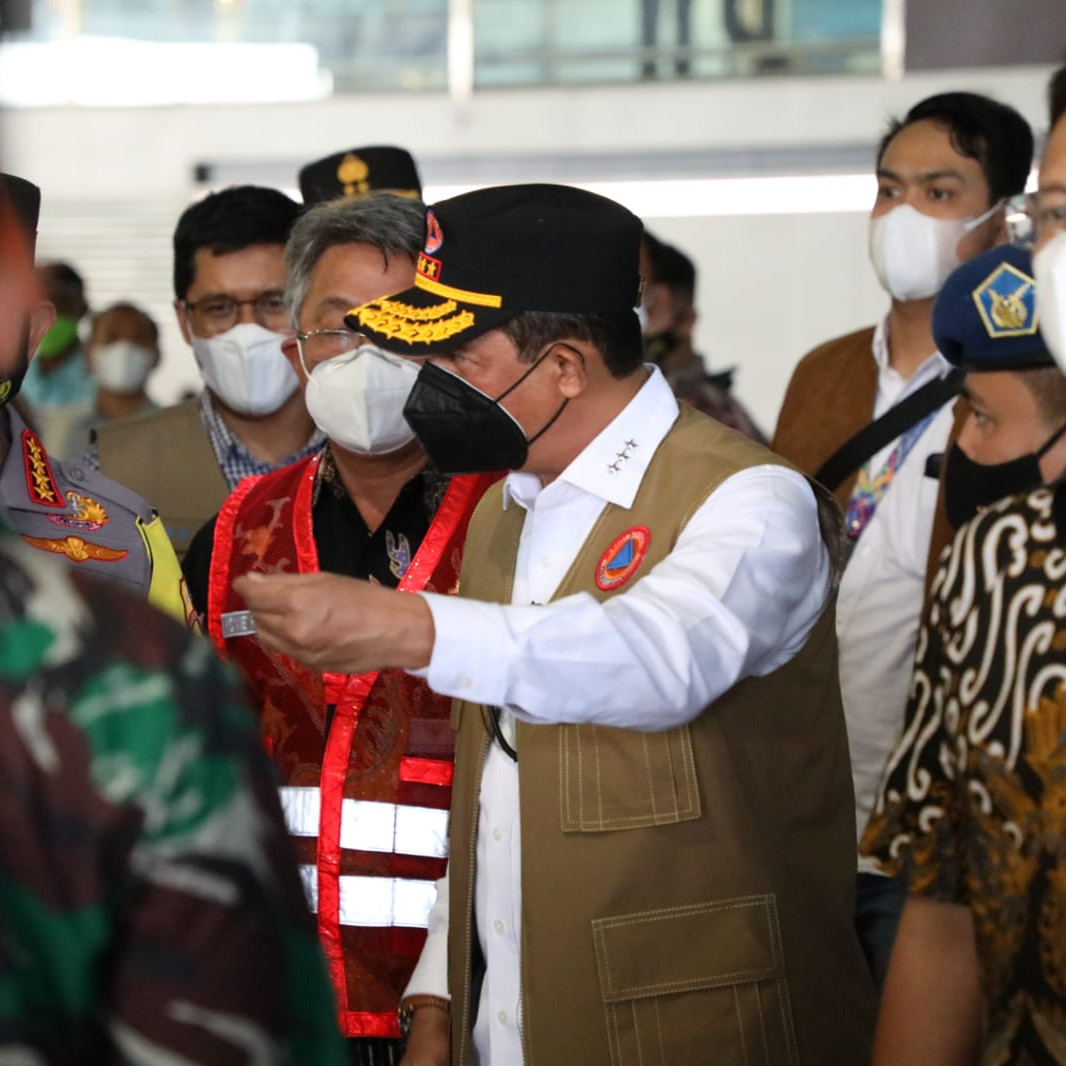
[880,601]
[737,597]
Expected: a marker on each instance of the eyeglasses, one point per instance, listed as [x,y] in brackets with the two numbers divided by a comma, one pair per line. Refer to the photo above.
[318,345]
[221,312]
[1032,216]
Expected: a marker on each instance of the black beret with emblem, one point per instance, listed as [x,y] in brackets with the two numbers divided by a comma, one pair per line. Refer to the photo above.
[985,316]
[25,200]
[358,172]
[494,253]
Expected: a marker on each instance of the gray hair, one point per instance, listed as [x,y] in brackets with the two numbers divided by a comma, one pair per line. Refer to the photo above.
[392,224]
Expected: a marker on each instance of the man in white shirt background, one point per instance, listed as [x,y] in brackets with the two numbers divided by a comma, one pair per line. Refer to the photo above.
[652,846]
[943,175]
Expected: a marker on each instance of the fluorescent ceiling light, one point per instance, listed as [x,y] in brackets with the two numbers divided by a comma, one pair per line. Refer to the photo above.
[115,72]
[710,197]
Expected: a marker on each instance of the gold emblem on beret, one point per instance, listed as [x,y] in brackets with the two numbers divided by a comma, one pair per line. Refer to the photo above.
[352,173]
[1006,302]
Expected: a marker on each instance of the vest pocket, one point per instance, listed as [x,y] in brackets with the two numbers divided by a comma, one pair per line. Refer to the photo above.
[702,983]
[622,779]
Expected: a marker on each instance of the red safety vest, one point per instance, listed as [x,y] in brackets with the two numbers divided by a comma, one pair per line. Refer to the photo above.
[366,797]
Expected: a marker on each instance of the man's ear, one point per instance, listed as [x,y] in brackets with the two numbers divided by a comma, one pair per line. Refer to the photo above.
[183,321]
[42,319]
[686,321]
[571,358]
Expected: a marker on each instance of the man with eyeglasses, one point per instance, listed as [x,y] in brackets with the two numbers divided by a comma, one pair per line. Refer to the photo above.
[229,280]
[365,759]
[870,415]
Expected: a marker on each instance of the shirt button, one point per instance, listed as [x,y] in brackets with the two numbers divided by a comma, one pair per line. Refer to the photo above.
[498,925]
[497,833]
[502,1017]
[545,562]
[465,682]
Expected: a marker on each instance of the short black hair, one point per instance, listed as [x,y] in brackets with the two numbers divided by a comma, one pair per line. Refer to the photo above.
[1056,95]
[670,266]
[981,128]
[229,221]
[64,286]
[616,338]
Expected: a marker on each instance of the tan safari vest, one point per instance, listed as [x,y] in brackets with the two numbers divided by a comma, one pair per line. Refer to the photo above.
[167,457]
[687,895]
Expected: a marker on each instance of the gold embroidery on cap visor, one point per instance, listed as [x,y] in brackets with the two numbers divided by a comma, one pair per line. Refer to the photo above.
[424,325]
[413,325]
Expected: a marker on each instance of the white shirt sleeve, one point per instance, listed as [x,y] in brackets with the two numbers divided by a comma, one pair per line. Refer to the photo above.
[430,976]
[738,595]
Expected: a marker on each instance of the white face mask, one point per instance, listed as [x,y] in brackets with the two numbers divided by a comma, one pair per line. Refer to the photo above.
[913,254]
[1049,270]
[246,368]
[357,400]
[122,366]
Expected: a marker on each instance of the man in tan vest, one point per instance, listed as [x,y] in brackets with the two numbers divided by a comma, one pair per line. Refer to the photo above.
[943,174]
[652,844]
[229,281]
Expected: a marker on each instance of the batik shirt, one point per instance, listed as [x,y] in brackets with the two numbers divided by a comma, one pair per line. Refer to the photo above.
[972,809]
[150,909]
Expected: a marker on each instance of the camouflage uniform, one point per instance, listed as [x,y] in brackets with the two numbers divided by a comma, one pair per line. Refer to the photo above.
[150,909]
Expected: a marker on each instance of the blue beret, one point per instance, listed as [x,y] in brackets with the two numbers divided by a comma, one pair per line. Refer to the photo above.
[985,315]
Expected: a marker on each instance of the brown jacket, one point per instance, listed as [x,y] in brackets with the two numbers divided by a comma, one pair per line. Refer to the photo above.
[166,456]
[829,399]
[687,895]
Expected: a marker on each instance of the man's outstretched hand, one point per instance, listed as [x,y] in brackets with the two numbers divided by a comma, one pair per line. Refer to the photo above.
[341,624]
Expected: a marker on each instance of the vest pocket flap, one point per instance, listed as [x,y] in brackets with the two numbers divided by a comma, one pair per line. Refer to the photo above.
[684,949]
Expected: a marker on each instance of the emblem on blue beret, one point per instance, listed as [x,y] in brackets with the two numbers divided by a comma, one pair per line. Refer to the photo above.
[1006,302]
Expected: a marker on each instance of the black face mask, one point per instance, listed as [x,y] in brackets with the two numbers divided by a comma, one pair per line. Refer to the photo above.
[464,430]
[969,487]
[10,384]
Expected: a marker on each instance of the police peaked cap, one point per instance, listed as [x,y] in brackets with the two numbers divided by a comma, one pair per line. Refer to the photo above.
[360,171]
[494,253]
[985,316]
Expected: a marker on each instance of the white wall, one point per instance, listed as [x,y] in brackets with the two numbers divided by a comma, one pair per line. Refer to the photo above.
[114,181]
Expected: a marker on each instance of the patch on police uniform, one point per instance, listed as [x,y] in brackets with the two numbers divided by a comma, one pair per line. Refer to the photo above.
[434,234]
[88,514]
[621,560]
[77,550]
[1006,302]
[40,481]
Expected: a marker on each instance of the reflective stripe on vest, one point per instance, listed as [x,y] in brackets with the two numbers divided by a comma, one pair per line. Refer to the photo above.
[377,902]
[367,825]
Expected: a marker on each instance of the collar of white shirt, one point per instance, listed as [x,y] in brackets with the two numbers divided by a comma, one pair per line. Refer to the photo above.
[936,364]
[613,465]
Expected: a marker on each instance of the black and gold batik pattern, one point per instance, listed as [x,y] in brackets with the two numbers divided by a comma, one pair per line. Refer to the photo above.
[973,804]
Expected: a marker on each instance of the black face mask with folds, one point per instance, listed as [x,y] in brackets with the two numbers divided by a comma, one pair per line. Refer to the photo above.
[464,430]
[970,487]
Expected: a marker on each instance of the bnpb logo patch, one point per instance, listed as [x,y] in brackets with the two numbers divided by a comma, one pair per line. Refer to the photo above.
[622,559]
[434,234]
